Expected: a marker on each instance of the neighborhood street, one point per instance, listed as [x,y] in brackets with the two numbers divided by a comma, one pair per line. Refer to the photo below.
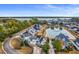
[6,44]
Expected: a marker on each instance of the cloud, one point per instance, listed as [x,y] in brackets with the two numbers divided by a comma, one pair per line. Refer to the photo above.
[51,6]
[45,9]
[73,11]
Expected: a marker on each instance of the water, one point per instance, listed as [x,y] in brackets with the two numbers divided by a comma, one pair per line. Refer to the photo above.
[54,32]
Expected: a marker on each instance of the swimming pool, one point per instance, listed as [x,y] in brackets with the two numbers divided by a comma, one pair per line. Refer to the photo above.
[56,31]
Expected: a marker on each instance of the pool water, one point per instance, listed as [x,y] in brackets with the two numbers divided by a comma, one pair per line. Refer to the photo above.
[56,31]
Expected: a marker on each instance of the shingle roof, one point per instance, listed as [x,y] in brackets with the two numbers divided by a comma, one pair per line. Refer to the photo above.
[77,40]
[62,36]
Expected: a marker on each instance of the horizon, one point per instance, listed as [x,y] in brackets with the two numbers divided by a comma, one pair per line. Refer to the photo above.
[39,16]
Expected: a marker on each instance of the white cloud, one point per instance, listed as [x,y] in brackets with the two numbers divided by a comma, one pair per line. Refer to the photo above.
[73,11]
[51,6]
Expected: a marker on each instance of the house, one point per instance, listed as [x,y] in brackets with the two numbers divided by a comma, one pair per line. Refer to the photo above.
[62,37]
[36,27]
[78,30]
[30,36]
[65,39]
[77,42]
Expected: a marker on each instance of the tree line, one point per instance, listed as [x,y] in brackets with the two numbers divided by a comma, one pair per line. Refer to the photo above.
[11,26]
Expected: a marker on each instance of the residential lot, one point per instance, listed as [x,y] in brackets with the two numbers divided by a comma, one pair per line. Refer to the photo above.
[36,36]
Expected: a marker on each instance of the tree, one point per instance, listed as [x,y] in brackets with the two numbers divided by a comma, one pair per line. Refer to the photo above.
[12,26]
[0,45]
[34,21]
[25,24]
[60,28]
[1,28]
[45,47]
[2,37]
[75,19]
[61,24]
[26,43]
[57,45]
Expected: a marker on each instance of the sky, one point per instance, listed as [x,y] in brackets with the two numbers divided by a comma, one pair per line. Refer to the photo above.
[39,9]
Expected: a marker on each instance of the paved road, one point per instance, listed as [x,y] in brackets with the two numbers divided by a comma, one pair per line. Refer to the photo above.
[6,44]
[8,49]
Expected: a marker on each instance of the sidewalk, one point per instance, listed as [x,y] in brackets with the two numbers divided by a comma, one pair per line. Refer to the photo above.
[51,50]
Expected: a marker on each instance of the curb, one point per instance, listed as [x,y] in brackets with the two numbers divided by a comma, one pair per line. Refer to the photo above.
[10,41]
[3,48]
[13,47]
